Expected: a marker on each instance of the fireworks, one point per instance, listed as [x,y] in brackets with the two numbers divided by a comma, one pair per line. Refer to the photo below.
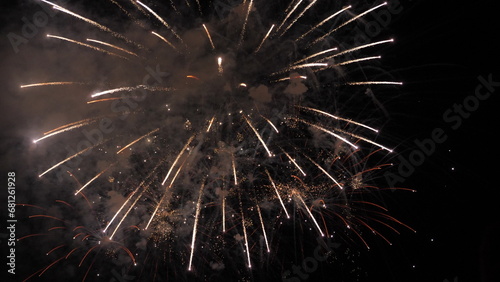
[249,135]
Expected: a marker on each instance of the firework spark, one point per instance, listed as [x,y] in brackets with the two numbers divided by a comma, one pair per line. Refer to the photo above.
[249,135]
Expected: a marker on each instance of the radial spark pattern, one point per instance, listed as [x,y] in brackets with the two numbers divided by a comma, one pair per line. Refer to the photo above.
[218,127]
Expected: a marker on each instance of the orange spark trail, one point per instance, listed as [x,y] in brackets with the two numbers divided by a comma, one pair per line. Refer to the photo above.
[209,37]
[60,246]
[91,249]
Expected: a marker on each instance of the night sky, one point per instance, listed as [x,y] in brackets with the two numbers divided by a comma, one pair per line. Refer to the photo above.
[446,54]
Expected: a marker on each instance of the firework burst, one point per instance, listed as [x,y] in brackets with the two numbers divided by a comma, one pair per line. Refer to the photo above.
[221,130]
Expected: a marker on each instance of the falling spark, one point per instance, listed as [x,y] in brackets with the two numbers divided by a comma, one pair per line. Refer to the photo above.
[210,123]
[375,83]
[271,123]
[68,158]
[129,89]
[263,229]
[125,215]
[234,171]
[294,162]
[103,100]
[277,193]
[339,118]
[164,39]
[89,21]
[195,226]
[119,210]
[346,23]
[303,66]
[223,213]
[298,17]
[85,45]
[288,15]
[161,20]
[258,136]
[137,140]
[263,40]
[323,22]
[50,84]
[316,54]
[355,61]
[326,131]
[357,49]
[310,214]
[113,46]
[177,159]
[92,180]
[66,128]
[246,239]
[366,140]
[325,172]
[242,34]
[209,37]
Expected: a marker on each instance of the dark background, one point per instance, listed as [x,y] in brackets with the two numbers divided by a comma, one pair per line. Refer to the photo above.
[441,49]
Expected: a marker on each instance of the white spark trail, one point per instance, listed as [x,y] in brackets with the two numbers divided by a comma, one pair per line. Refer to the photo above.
[177,158]
[299,16]
[294,162]
[94,178]
[265,37]
[338,118]
[325,172]
[246,239]
[113,46]
[258,136]
[356,49]
[86,45]
[195,226]
[130,89]
[243,30]
[315,55]
[277,193]
[137,140]
[55,83]
[326,131]
[164,40]
[288,15]
[161,20]
[375,83]
[310,214]
[323,22]
[346,23]
[263,229]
